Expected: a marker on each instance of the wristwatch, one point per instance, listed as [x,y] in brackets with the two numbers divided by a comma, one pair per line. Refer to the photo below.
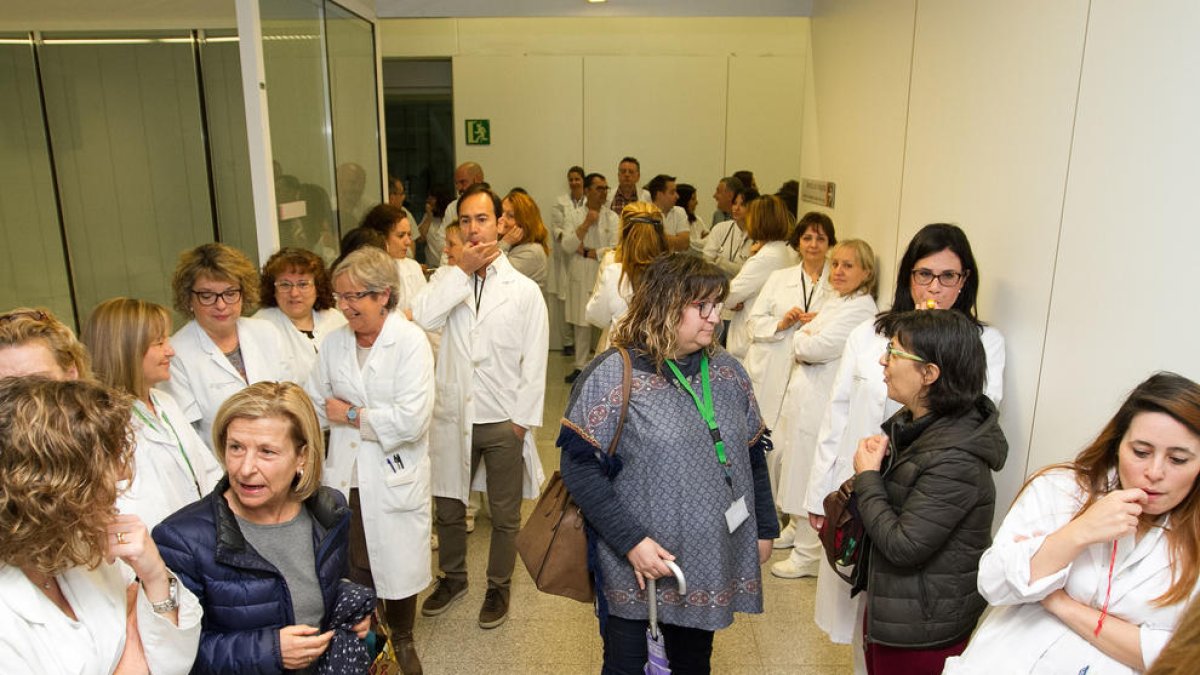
[172,602]
[352,414]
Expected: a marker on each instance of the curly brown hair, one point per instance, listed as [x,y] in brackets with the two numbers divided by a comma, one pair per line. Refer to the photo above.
[63,448]
[296,261]
[668,286]
[214,261]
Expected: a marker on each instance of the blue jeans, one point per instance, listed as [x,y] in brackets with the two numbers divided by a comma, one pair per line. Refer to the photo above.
[688,649]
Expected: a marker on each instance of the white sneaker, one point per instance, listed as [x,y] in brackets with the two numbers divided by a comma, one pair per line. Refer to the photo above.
[433,542]
[786,537]
[788,569]
[470,524]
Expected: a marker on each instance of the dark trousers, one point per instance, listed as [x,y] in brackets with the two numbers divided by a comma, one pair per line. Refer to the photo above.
[497,446]
[689,650]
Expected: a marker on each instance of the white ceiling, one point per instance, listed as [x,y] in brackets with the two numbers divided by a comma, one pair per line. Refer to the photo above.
[52,15]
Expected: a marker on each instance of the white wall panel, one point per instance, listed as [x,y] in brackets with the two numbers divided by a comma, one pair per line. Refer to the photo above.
[667,111]
[1123,302]
[765,118]
[989,131]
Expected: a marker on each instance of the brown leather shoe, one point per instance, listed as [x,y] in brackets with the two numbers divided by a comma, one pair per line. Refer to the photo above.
[495,608]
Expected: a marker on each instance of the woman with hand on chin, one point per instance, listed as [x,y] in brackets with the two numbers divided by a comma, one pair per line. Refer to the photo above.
[1097,560]
[266,550]
[297,299]
[523,237]
[671,493]
[938,267]
[65,607]
[374,386]
[219,351]
[928,512]
[131,352]
[816,349]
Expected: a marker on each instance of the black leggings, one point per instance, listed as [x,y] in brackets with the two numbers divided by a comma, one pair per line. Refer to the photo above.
[688,649]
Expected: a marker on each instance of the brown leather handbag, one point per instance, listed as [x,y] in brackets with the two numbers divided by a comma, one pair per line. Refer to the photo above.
[553,542]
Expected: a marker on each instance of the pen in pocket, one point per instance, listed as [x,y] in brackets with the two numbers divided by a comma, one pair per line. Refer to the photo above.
[399,461]
[390,465]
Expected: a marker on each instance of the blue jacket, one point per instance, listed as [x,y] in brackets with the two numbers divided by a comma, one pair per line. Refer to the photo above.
[245,598]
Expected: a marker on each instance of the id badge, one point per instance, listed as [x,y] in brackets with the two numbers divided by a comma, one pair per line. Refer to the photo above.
[736,514]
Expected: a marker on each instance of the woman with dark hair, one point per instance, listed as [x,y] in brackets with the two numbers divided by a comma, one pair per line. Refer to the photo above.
[938,267]
[393,224]
[670,492]
[697,228]
[728,245]
[641,241]
[1096,562]
[768,225]
[928,513]
[298,299]
[432,228]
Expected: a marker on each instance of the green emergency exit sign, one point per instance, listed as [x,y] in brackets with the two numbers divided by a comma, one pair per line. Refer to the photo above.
[479,132]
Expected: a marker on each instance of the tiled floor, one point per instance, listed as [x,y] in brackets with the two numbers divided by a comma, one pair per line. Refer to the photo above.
[548,634]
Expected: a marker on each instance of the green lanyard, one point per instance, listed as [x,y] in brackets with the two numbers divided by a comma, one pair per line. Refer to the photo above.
[705,407]
[178,442]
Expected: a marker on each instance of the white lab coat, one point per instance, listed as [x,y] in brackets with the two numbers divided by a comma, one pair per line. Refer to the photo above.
[769,359]
[412,282]
[610,298]
[202,378]
[301,351]
[727,246]
[675,221]
[744,288]
[395,389]
[1019,633]
[509,337]
[36,637]
[858,406]
[435,237]
[173,466]
[566,210]
[816,350]
[582,271]
[697,238]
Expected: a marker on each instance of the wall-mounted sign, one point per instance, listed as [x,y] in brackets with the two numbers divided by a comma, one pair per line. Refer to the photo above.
[819,192]
[479,132]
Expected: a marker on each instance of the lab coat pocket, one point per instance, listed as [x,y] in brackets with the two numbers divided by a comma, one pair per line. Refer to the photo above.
[406,489]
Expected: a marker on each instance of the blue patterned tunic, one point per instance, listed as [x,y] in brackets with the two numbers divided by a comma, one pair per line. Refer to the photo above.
[666,483]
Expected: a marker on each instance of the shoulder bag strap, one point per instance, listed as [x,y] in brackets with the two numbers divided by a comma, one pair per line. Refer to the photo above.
[626,388]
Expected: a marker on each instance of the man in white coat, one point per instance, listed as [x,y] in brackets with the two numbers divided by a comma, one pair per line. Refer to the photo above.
[587,236]
[491,379]
[466,175]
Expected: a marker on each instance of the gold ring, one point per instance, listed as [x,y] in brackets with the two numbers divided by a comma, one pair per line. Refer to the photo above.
[120,537]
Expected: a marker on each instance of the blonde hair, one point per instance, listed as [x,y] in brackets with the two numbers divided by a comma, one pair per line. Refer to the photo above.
[63,448]
[529,218]
[26,324]
[119,333]
[866,258]
[219,262]
[669,285]
[768,219]
[285,401]
[641,240]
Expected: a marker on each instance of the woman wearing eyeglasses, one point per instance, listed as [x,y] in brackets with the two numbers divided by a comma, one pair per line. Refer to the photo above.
[925,494]
[939,267]
[298,299]
[373,387]
[219,351]
[688,482]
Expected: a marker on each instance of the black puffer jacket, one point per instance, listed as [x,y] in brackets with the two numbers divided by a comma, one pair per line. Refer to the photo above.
[929,519]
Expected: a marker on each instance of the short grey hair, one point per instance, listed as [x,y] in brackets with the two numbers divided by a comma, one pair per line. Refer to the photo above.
[372,269]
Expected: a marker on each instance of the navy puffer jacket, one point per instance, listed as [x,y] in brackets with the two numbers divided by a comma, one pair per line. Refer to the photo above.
[244,597]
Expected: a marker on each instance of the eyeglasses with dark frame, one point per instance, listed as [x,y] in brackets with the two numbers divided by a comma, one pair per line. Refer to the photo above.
[948,278]
[707,307]
[209,298]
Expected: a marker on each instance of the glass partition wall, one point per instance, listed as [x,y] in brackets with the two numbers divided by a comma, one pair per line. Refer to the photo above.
[119,151]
